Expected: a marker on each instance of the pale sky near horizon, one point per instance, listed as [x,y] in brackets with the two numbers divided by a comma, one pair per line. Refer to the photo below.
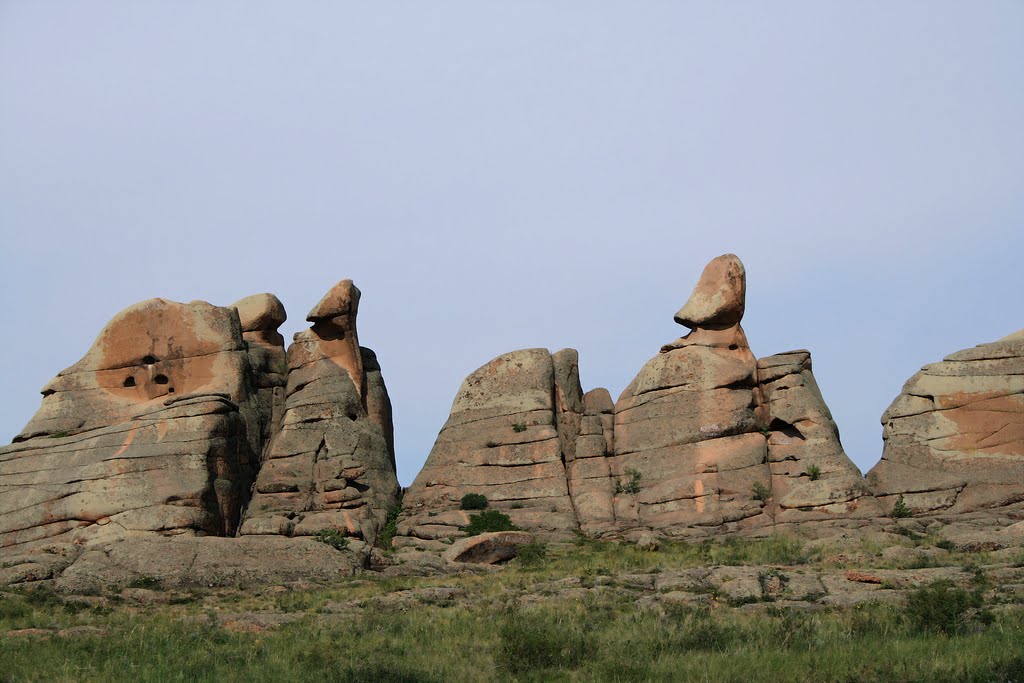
[509,175]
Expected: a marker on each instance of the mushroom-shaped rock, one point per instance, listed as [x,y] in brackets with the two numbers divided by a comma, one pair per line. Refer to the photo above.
[260,312]
[330,466]
[334,334]
[340,301]
[719,297]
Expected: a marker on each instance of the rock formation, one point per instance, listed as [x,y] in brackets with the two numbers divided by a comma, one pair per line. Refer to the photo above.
[177,414]
[954,437]
[705,439]
[189,436]
[686,428]
[505,438]
[331,463]
[157,429]
[812,477]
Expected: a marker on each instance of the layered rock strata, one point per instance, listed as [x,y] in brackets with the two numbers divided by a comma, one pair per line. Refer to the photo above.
[811,472]
[330,466]
[178,414]
[511,424]
[157,429]
[688,442]
[705,439]
[954,437]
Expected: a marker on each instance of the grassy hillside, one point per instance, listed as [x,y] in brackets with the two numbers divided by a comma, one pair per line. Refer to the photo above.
[585,612]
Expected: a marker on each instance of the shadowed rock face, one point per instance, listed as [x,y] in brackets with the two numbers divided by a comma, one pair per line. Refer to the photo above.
[954,437]
[331,463]
[812,477]
[157,429]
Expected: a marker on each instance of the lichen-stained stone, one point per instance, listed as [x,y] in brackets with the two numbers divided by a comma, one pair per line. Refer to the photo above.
[330,465]
[156,430]
[505,438]
[954,437]
[810,470]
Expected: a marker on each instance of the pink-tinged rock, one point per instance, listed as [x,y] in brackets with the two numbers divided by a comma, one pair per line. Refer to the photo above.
[331,463]
[156,430]
[810,470]
[513,426]
[719,297]
[954,437]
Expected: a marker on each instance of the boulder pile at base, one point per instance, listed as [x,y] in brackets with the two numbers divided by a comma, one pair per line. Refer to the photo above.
[189,444]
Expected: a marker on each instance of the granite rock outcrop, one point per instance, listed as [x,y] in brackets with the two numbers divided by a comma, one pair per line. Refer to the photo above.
[706,439]
[330,466]
[157,429]
[954,437]
[510,425]
[192,421]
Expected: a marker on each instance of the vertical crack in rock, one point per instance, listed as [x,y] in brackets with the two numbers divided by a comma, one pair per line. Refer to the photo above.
[335,429]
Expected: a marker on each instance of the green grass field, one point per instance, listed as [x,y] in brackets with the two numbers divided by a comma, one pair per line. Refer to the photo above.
[939,633]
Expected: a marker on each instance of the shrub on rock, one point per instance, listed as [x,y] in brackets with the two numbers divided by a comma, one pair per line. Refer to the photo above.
[473,501]
[487,521]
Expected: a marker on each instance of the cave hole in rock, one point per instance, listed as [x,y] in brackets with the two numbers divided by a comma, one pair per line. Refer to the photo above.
[129,381]
[161,379]
[786,429]
[148,360]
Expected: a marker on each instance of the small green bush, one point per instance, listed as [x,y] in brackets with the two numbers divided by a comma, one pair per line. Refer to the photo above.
[946,544]
[473,501]
[941,607]
[150,582]
[518,427]
[487,521]
[761,492]
[814,472]
[532,554]
[390,530]
[631,484]
[900,509]
[333,537]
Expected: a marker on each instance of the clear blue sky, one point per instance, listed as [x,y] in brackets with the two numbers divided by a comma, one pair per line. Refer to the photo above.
[506,175]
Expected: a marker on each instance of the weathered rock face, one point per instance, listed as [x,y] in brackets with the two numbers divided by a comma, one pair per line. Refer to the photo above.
[954,438]
[157,429]
[689,450]
[704,439]
[260,315]
[510,425]
[331,464]
[810,471]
